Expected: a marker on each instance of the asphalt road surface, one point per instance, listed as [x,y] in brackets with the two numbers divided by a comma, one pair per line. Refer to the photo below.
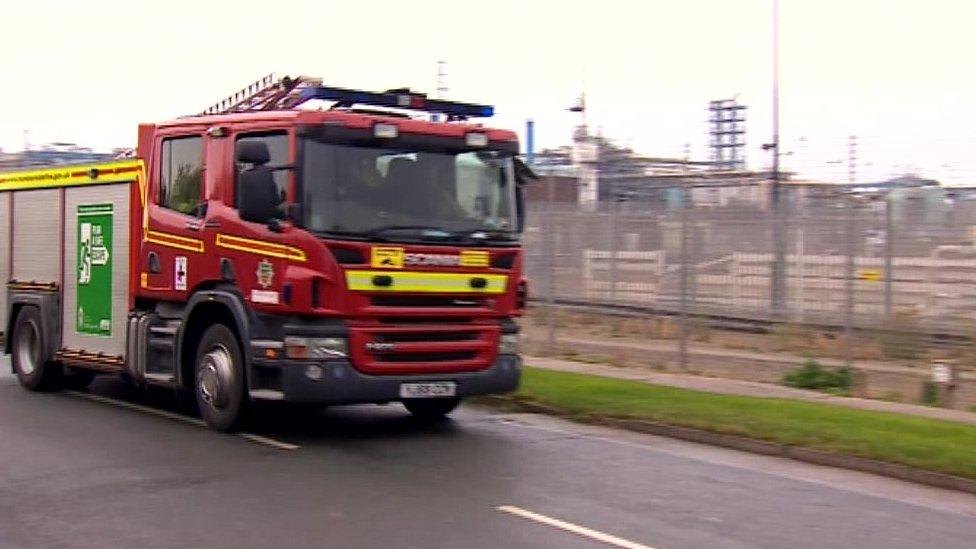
[84,471]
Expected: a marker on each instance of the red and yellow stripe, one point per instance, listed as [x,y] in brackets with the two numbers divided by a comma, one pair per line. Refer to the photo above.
[260,247]
[175,241]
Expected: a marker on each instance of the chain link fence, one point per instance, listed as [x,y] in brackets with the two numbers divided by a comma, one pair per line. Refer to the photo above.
[880,286]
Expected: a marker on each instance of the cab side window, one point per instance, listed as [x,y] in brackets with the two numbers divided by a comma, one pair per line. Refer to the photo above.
[277,143]
[181,180]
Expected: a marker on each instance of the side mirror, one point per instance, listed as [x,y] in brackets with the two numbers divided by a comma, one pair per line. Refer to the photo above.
[523,173]
[520,208]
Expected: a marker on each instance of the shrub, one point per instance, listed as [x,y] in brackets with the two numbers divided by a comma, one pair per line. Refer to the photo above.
[930,394]
[814,376]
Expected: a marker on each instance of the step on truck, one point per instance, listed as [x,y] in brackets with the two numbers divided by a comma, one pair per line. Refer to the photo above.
[294,242]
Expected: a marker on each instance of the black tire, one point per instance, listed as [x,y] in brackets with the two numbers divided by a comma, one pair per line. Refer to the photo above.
[76,379]
[28,347]
[431,409]
[218,379]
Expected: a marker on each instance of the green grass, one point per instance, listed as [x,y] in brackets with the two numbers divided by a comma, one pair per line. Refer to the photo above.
[924,443]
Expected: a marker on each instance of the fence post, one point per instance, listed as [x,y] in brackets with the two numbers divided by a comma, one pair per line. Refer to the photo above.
[614,206]
[800,274]
[889,253]
[849,281]
[683,300]
[550,231]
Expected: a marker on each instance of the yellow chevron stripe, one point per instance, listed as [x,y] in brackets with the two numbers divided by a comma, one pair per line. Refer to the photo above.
[260,247]
[175,241]
[416,281]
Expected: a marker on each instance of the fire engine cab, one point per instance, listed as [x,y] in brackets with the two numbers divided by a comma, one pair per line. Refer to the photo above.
[295,242]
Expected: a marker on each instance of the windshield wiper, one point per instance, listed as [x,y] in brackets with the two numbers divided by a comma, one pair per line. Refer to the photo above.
[484,234]
[432,234]
[426,231]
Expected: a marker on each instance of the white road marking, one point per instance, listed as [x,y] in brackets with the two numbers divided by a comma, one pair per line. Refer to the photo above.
[269,441]
[570,527]
[138,408]
[266,441]
[949,501]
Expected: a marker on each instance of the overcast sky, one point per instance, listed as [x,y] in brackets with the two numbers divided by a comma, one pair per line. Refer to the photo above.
[896,73]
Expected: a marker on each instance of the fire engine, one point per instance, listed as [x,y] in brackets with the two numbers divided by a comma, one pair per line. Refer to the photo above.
[295,242]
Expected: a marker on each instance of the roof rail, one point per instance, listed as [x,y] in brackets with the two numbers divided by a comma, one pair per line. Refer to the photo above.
[400,98]
[271,93]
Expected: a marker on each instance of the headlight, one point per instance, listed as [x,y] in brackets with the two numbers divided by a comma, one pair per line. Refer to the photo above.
[509,344]
[318,348]
[385,131]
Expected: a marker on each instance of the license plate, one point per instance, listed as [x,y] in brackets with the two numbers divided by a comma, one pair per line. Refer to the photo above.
[428,390]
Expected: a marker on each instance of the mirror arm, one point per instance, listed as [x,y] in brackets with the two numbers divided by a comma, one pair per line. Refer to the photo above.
[276,225]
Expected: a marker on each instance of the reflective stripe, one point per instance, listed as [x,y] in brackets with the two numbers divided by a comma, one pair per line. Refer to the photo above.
[426,282]
[474,258]
[174,241]
[72,176]
[260,247]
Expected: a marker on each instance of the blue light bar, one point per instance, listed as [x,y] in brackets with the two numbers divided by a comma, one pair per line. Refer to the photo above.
[396,99]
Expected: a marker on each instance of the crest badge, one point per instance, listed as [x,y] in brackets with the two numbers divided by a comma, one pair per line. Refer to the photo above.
[265,273]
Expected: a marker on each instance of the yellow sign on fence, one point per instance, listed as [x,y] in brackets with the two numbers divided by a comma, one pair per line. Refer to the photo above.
[871,275]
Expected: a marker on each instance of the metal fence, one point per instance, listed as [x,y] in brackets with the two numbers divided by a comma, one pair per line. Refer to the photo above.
[879,279]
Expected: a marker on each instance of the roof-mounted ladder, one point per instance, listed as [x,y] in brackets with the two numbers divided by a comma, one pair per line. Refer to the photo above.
[272,93]
[265,94]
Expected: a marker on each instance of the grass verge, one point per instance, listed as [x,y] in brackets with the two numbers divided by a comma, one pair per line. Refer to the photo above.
[933,445]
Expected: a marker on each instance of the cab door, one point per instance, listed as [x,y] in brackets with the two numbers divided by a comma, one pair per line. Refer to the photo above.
[259,256]
[172,244]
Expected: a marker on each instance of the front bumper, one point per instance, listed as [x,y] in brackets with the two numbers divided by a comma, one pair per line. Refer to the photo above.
[341,383]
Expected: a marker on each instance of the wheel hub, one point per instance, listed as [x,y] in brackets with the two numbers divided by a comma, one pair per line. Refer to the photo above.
[28,348]
[216,377]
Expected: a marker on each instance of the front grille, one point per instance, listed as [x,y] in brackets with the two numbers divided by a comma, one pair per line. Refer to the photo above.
[503,261]
[409,337]
[411,320]
[425,357]
[424,347]
[348,256]
[426,301]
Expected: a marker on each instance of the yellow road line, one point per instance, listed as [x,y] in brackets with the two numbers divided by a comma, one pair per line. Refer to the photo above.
[573,528]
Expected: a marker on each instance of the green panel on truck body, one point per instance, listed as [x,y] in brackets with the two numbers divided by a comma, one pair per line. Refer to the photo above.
[94,269]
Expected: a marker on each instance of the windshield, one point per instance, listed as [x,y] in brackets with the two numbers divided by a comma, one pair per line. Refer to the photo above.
[367,190]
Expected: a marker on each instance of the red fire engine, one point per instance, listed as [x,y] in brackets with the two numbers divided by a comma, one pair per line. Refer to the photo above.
[295,242]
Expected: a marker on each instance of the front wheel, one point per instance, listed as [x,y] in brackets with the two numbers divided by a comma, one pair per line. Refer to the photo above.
[33,372]
[219,379]
[431,409]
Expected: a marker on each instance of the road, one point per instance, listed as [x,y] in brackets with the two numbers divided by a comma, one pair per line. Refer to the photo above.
[85,473]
